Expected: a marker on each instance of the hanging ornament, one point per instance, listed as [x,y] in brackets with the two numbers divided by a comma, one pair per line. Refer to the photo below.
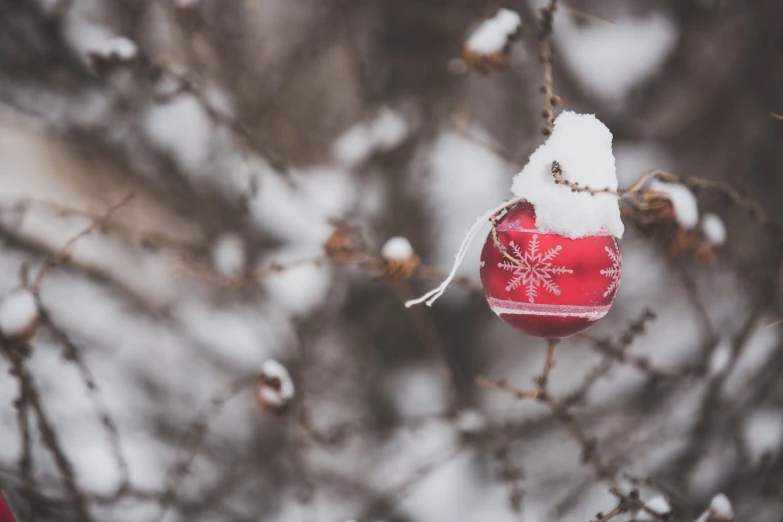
[551,267]
[6,514]
[548,285]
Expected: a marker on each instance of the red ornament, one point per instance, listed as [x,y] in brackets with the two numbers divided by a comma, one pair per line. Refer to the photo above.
[6,515]
[555,286]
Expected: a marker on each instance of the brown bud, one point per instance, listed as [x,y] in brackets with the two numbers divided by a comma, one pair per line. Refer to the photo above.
[485,63]
[401,268]
[399,259]
[342,244]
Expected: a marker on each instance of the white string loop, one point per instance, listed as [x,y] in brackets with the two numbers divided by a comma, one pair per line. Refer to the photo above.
[431,296]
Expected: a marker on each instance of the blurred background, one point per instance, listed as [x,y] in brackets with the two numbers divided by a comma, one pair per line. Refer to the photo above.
[252,133]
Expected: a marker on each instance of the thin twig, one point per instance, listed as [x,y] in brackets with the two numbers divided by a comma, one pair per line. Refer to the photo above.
[486,382]
[61,255]
[72,353]
[543,380]
[49,435]
[26,465]
[459,122]
[545,56]
[194,437]
[494,232]
[585,16]
[557,173]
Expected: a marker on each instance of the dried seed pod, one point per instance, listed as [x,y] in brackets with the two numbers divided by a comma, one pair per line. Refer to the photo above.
[485,63]
[342,244]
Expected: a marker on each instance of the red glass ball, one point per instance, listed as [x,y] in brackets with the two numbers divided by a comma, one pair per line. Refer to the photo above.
[548,285]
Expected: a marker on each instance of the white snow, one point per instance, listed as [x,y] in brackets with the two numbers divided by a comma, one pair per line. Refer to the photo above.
[300,290]
[684,202]
[457,195]
[384,132]
[721,506]
[491,36]
[228,254]
[470,421]
[182,127]
[89,38]
[720,510]
[763,433]
[634,158]
[300,212]
[720,358]
[18,311]
[121,47]
[582,145]
[275,395]
[397,248]
[416,391]
[658,505]
[610,60]
[713,228]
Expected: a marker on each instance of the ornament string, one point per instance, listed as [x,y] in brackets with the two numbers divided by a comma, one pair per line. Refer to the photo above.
[431,296]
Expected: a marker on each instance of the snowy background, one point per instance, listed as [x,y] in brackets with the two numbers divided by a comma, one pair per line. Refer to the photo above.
[247,132]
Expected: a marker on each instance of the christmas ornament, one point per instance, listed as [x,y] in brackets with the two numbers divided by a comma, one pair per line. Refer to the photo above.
[548,285]
[6,515]
[551,266]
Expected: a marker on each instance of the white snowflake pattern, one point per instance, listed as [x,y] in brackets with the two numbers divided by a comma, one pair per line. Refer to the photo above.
[615,272]
[534,269]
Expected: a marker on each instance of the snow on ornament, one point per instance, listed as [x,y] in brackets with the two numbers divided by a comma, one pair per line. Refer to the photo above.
[551,267]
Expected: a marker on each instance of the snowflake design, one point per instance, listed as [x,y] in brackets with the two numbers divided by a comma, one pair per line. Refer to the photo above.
[533,269]
[614,273]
